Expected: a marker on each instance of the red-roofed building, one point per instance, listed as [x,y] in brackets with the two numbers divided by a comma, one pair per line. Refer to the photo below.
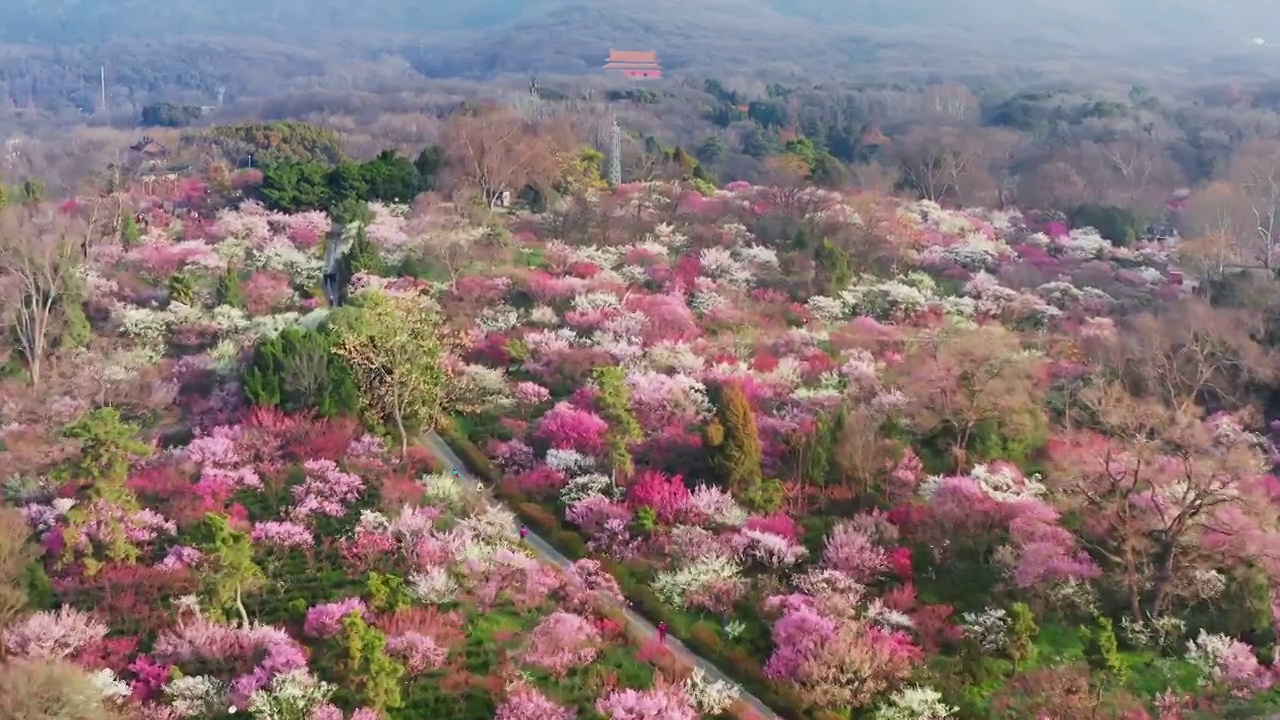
[634,63]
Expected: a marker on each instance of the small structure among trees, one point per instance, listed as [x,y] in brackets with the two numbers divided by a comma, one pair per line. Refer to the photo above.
[634,63]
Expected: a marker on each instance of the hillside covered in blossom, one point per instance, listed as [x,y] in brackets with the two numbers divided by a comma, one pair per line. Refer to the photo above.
[742,452]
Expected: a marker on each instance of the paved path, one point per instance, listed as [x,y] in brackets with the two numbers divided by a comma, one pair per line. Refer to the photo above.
[549,554]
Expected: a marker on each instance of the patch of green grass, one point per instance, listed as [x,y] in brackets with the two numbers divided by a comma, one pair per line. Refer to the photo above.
[1147,674]
[532,257]
[1150,675]
[465,424]
[1057,642]
[425,698]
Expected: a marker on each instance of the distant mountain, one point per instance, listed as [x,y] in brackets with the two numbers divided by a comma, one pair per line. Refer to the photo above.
[69,22]
[479,37]
[1171,22]
[1086,21]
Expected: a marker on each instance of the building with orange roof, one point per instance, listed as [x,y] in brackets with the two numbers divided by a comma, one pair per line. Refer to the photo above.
[634,63]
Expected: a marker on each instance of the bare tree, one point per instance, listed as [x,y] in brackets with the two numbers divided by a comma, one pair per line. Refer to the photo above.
[1255,170]
[874,177]
[1004,149]
[1218,228]
[39,263]
[1052,185]
[1191,355]
[496,151]
[942,163]
[787,171]
[859,450]
[951,101]
[1147,171]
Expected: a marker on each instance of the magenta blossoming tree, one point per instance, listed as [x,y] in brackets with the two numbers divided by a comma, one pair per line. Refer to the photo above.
[567,427]
[325,620]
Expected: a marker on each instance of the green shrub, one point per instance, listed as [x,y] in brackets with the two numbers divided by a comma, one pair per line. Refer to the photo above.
[646,519]
[471,456]
[569,543]
[705,634]
[387,593]
[538,517]
[1121,226]
[229,290]
[297,371]
[182,289]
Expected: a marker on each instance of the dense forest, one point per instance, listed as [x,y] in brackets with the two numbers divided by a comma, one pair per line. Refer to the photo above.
[1121,160]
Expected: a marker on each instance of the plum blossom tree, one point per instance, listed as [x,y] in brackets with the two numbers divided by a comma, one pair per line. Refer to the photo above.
[42,690]
[325,620]
[527,703]
[53,635]
[568,427]
[1155,489]
[666,495]
[960,380]
[851,551]
[661,701]
[419,653]
[562,641]
[833,655]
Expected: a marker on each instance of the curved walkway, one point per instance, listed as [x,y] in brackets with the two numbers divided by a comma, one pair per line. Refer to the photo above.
[646,629]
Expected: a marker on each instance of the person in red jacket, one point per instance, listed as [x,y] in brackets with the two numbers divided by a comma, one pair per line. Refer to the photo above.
[662,633]
[524,533]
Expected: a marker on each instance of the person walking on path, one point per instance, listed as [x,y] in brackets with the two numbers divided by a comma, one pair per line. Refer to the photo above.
[524,533]
[662,633]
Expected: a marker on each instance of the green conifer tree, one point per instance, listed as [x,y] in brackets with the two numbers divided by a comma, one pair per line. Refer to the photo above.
[374,675]
[361,256]
[733,441]
[262,379]
[624,430]
[182,289]
[130,233]
[107,446]
[229,290]
[1102,651]
[831,269]
[1022,635]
